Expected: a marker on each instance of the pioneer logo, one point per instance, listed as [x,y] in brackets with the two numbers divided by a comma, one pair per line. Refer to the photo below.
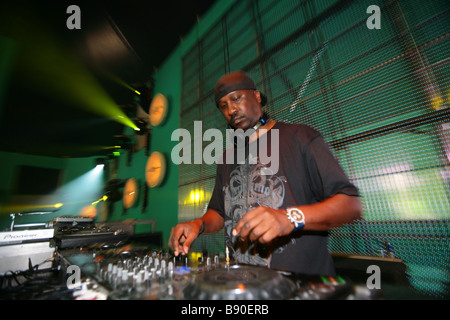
[15,237]
[26,235]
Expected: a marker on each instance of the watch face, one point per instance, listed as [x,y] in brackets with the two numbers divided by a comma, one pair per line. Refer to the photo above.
[158,110]
[296,215]
[155,169]
[130,193]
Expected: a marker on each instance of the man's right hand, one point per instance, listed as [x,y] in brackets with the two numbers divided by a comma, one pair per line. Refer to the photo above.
[183,234]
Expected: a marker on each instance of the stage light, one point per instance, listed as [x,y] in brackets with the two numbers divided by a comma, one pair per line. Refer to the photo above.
[24,208]
[144,93]
[104,198]
[81,191]
[100,162]
[141,127]
[89,211]
[118,80]
[196,196]
[68,199]
[111,190]
[53,70]
[124,141]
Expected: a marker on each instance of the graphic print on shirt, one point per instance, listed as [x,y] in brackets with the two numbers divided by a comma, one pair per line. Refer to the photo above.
[246,189]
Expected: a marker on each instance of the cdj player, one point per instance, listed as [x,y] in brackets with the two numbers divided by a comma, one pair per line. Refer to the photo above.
[128,273]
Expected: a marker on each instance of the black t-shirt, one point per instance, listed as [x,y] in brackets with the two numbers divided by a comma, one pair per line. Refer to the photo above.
[305,172]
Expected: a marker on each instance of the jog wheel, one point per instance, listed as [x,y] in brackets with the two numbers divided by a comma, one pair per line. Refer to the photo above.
[239,282]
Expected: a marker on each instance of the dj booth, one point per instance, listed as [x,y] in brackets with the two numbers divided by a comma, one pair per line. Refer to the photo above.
[75,258]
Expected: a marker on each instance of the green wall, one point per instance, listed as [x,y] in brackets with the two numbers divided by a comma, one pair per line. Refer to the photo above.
[162,201]
[379,97]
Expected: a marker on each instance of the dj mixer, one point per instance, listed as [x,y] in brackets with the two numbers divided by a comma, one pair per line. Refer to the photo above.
[107,261]
[125,273]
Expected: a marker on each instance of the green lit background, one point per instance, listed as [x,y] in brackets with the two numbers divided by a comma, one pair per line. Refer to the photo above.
[380,97]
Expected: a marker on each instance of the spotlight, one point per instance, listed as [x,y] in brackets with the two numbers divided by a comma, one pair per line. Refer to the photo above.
[144,93]
[141,127]
[100,162]
[124,142]
[111,190]
[103,198]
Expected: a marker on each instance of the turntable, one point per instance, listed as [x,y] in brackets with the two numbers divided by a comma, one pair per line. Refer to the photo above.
[240,282]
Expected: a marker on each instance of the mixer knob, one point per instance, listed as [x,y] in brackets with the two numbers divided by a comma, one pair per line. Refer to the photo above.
[170,269]
[120,270]
[162,278]
[147,273]
[169,290]
[114,271]
[124,277]
[138,279]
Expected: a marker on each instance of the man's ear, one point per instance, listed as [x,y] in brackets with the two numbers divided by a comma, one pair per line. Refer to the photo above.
[257,95]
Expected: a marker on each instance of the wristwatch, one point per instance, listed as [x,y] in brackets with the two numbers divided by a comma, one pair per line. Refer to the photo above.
[297,217]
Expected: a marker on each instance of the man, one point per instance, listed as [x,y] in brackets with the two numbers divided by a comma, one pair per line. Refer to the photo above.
[275,219]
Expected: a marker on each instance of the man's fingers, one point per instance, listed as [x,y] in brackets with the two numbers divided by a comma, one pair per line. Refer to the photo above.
[187,244]
[182,236]
[177,237]
[246,224]
[261,224]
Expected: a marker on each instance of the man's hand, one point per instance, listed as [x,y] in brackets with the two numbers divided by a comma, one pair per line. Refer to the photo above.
[182,236]
[263,224]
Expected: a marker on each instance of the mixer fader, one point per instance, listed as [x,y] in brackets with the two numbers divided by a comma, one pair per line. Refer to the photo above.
[152,275]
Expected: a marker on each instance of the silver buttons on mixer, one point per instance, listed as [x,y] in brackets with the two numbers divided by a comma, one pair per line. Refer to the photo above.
[151,275]
[160,276]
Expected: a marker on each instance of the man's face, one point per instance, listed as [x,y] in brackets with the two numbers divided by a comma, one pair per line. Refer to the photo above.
[241,108]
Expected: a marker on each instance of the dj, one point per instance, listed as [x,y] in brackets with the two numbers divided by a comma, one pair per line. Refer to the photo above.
[274,219]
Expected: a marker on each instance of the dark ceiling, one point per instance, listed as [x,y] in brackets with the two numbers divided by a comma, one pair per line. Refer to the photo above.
[127,40]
